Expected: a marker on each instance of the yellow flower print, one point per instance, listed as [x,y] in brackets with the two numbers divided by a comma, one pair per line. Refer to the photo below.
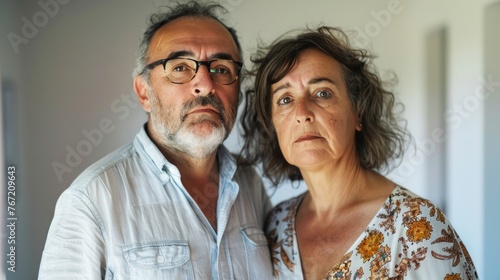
[454,276]
[419,230]
[370,245]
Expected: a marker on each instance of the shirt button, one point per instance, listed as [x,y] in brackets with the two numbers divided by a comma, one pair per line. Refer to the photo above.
[160,259]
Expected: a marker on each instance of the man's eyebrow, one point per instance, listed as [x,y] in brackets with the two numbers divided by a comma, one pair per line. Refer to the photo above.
[223,56]
[178,54]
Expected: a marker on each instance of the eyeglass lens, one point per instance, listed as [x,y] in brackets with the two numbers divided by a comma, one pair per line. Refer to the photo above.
[182,70]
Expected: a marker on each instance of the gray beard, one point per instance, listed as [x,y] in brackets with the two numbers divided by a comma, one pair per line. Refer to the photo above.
[185,139]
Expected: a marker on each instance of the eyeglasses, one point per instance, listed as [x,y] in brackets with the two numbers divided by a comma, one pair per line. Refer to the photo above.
[183,70]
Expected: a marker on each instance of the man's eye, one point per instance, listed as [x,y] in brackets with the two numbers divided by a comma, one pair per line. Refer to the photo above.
[220,71]
[284,100]
[179,68]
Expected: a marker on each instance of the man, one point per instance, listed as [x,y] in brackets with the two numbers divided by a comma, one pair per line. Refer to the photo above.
[173,204]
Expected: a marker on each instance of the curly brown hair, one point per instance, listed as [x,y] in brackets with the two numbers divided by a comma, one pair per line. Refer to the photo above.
[379,146]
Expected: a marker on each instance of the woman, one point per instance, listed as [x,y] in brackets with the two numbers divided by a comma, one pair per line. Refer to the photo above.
[319,112]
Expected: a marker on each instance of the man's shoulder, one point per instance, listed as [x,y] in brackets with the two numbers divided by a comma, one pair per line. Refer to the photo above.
[103,167]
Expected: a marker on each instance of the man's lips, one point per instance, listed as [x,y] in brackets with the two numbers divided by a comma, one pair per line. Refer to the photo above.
[307,137]
[201,110]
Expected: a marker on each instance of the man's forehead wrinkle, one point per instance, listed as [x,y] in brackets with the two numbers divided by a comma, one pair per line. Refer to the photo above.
[177,36]
[158,43]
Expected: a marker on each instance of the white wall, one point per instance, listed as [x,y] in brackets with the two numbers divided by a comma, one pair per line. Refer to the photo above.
[492,134]
[78,68]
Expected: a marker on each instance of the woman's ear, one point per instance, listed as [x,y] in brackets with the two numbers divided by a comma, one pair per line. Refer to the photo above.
[359,124]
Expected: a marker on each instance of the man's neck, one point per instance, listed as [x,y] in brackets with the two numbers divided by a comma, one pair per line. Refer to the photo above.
[199,176]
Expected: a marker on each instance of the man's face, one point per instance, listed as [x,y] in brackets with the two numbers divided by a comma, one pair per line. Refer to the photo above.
[194,117]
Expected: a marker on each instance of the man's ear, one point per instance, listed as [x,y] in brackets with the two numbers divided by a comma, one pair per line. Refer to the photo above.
[141,89]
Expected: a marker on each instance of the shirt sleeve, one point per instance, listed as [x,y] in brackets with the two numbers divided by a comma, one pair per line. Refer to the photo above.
[430,246]
[74,247]
[448,255]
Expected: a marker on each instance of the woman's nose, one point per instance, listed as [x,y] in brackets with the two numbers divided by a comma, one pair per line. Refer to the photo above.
[303,112]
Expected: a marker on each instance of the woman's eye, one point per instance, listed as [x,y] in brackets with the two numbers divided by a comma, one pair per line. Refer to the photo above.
[323,94]
[284,100]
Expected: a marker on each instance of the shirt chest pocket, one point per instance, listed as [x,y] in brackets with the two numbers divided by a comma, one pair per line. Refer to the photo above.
[160,260]
[257,252]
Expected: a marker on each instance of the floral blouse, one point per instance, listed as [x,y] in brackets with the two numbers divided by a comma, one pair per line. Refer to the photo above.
[409,238]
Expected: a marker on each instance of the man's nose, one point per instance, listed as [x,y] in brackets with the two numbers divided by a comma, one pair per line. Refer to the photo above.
[203,83]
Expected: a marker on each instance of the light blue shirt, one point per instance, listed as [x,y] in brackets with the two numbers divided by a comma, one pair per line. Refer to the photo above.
[128,216]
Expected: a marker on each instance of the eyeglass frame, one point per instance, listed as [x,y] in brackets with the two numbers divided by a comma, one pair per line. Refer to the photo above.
[198,63]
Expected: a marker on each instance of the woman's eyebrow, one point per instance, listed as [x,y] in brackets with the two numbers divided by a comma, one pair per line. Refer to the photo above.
[321,80]
[282,87]
[311,82]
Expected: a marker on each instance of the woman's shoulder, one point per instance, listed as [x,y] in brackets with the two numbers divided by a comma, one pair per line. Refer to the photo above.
[413,205]
[283,212]
[423,232]
[288,205]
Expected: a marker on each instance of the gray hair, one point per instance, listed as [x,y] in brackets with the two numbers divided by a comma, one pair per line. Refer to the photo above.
[159,19]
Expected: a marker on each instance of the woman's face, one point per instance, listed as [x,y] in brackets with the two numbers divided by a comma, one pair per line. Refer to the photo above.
[312,114]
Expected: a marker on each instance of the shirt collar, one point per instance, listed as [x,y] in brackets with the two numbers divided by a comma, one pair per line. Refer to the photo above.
[227,162]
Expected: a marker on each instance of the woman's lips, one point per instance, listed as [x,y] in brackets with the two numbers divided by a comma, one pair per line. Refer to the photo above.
[307,137]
